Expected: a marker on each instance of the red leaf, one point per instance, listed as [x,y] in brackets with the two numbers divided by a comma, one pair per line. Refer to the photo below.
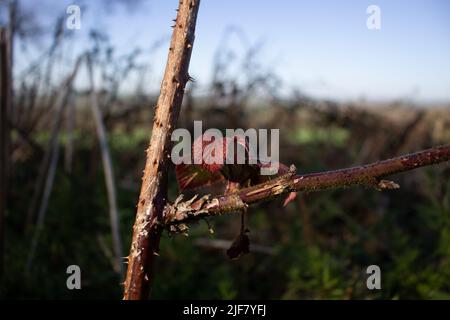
[204,151]
[212,169]
[191,176]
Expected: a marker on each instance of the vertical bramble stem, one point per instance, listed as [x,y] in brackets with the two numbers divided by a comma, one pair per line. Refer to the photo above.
[5,107]
[153,196]
[108,172]
[52,155]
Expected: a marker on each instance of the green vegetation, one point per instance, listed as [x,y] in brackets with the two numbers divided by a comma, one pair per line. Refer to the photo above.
[321,244]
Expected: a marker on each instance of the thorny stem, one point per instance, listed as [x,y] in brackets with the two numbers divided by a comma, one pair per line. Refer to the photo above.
[179,213]
[152,199]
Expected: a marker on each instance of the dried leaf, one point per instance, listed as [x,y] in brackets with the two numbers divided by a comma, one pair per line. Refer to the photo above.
[240,246]
[193,176]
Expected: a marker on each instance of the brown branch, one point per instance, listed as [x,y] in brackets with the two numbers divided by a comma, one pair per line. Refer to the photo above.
[152,199]
[108,172]
[370,175]
[5,109]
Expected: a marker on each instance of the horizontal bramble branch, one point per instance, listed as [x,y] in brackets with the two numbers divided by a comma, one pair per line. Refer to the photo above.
[181,212]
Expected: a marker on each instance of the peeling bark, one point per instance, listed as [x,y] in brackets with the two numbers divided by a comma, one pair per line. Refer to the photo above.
[372,175]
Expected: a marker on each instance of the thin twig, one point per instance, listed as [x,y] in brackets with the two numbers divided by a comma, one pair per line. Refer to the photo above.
[69,148]
[225,244]
[53,156]
[46,160]
[5,109]
[108,172]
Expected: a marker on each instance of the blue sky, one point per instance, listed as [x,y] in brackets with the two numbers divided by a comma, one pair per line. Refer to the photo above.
[322,47]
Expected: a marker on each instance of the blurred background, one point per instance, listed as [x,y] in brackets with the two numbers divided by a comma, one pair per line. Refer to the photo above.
[340,93]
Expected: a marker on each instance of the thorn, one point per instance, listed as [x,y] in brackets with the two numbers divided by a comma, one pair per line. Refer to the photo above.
[155,253]
[292,169]
[190,201]
[210,229]
[291,196]
[178,199]
[189,78]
